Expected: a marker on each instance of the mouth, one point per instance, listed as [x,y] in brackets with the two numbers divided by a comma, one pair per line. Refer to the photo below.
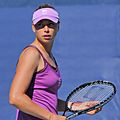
[47,37]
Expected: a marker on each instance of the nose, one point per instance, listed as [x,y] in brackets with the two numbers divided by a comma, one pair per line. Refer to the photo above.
[46,28]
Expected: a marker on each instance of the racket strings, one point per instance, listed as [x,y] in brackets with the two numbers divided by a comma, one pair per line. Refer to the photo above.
[90,96]
[90,93]
[106,95]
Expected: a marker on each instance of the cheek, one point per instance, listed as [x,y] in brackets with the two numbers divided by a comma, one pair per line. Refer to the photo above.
[54,33]
[39,35]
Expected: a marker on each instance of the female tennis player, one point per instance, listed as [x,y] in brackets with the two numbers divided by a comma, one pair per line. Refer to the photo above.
[37,78]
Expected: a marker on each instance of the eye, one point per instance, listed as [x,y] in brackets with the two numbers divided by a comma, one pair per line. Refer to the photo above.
[51,25]
[39,25]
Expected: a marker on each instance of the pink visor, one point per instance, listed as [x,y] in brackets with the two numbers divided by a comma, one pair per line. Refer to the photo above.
[45,13]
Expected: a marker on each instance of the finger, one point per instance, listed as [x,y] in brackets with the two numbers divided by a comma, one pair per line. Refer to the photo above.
[94,111]
[99,109]
[91,112]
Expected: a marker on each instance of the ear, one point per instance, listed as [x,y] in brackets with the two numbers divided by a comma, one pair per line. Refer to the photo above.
[33,28]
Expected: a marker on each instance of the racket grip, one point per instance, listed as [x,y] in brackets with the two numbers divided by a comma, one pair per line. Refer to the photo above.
[72,116]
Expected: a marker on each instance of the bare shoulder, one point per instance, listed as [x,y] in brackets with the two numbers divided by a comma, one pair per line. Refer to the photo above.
[29,57]
[27,64]
[30,53]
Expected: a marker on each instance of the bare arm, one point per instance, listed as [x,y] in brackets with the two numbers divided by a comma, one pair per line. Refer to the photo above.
[27,64]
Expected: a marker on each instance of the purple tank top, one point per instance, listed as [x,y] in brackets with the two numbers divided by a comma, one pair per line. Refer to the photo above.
[43,89]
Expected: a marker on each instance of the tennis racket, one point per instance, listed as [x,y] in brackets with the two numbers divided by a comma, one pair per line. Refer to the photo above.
[88,97]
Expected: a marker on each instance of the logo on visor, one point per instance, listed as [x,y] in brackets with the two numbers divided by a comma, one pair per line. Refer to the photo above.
[44,12]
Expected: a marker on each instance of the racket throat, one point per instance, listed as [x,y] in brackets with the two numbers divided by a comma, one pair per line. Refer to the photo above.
[72,115]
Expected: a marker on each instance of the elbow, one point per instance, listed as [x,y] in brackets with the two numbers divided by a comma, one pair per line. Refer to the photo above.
[13,100]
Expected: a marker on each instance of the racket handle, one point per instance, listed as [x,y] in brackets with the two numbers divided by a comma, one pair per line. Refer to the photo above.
[72,116]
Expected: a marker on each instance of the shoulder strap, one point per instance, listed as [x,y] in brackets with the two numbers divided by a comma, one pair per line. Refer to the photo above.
[36,49]
[54,59]
[45,62]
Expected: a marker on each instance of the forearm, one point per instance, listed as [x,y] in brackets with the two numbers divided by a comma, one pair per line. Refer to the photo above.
[25,104]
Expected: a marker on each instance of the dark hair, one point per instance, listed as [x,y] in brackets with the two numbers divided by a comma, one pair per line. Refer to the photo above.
[45,6]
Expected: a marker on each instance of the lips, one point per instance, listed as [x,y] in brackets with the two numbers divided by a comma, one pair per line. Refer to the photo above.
[47,37]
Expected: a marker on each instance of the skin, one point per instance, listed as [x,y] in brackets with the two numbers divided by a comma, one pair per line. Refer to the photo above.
[85,105]
[29,62]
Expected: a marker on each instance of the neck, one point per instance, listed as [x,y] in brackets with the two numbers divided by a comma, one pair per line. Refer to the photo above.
[44,47]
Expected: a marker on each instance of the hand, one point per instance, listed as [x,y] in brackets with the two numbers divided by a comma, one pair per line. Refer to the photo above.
[85,105]
[89,104]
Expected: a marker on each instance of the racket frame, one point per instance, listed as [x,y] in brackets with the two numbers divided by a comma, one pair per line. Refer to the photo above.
[76,113]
